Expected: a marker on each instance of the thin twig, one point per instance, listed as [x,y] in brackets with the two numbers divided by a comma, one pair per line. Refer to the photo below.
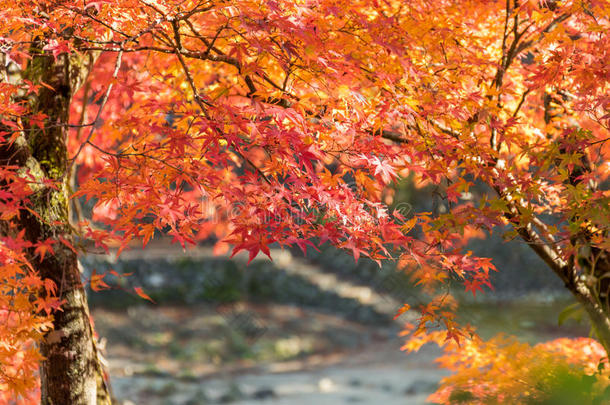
[115,74]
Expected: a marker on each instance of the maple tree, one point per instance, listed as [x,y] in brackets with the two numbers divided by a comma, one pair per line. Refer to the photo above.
[262,121]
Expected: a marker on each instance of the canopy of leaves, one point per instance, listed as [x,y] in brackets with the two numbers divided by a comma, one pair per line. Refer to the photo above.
[265,121]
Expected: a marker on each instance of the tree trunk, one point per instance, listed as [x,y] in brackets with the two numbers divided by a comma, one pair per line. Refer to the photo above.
[592,289]
[71,373]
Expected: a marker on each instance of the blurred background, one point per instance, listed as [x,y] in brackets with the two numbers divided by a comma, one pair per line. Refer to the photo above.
[314,329]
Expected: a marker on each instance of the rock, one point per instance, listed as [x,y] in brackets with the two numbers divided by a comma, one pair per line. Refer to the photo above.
[421,387]
[326,385]
[264,393]
[386,387]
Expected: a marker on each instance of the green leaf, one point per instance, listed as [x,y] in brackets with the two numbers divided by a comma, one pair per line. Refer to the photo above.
[574,311]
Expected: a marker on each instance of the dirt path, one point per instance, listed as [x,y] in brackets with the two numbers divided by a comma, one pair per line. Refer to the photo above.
[376,375]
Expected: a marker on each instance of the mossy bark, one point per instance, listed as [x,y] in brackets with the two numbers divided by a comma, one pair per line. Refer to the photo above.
[71,372]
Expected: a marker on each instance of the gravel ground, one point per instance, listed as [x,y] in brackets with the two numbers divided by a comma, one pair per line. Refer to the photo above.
[376,375]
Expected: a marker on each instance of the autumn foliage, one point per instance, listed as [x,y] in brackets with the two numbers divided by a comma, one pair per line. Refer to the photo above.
[26,301]
[262,122]
[506,371]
